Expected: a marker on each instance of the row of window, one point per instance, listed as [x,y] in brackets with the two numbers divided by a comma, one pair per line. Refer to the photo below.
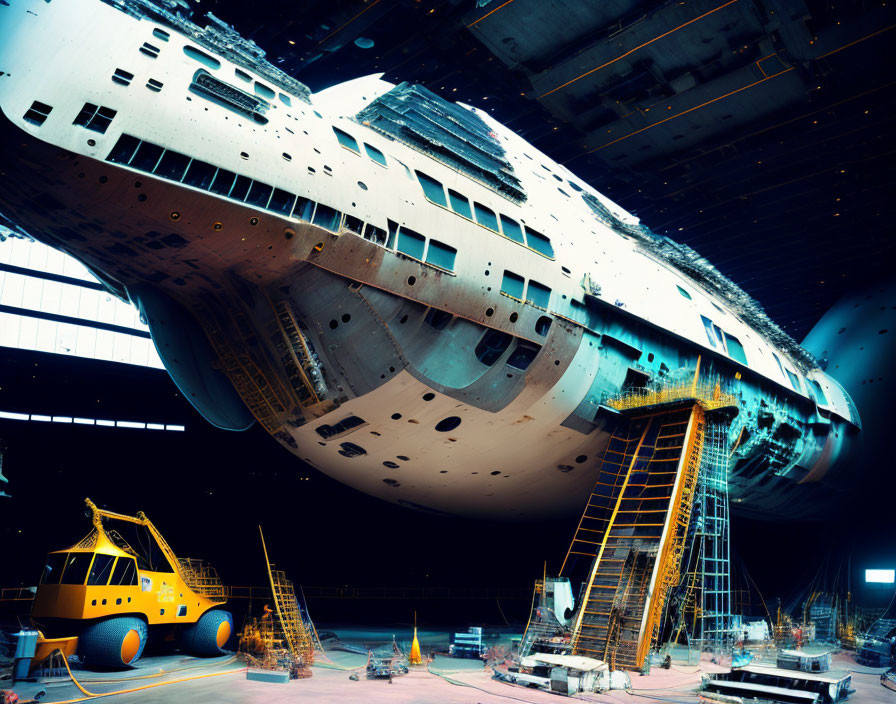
[95,568]
[459,203]
[92,117]
[535,293]
[435,192]
[174,166]
[812,387]
[405,240]
[726,341]
[211,62]
[350,143]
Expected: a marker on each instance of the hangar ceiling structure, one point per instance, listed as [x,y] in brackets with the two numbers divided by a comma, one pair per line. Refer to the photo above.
[759,132]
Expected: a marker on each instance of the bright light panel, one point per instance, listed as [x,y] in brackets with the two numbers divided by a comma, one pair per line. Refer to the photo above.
[880,576]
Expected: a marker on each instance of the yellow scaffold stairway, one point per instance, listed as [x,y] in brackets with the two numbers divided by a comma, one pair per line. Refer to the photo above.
[635,522]
[289,616]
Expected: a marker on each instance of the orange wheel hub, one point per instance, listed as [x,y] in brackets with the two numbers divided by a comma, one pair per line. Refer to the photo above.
[223,634]
[130,646]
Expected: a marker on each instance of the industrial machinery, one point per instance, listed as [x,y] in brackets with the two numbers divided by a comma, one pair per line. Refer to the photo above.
[468,645]
[879,644]
[108,595]
[386,665]
[283,638]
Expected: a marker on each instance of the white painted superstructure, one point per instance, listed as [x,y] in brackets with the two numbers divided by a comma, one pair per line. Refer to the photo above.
[599,309]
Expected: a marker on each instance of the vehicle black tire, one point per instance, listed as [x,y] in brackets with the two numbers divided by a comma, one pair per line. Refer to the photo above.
[113,642]
[209,634]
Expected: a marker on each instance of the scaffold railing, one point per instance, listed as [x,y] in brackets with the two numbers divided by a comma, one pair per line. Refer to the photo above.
[707,394]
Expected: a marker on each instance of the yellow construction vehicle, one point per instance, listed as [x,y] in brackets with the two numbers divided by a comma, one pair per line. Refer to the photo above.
[111,595]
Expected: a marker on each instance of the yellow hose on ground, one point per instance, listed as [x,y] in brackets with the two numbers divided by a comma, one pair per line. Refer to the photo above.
[93,695]
[154,675]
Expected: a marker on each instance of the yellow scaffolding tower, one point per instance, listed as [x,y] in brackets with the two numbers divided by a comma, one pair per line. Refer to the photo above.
[635,524]
[289,616]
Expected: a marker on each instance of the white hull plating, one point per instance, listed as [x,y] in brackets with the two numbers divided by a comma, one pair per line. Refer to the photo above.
[385,381]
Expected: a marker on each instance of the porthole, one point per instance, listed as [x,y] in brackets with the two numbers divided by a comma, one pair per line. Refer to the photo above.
[404,319]
[91,142]
[514,317]
[286,156]
[428,397]
[289,234]
[489,312]
[396,416]
[650,357]
[391,482]
[253,221]
[142,197]
[443,471]
[174,215]
[312,170]
[496,473]
[103,179]
[447,424]
[542,325]
[346,317]
[412,280]
[362,185]
[244,155]
[333,325]
[581,458]
[403,458]
[390,464]
[217,227]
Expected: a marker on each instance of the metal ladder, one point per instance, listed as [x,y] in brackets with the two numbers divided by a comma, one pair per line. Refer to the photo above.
[289,615]
[638,554]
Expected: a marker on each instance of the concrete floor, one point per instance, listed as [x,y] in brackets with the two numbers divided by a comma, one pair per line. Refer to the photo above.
[447,681]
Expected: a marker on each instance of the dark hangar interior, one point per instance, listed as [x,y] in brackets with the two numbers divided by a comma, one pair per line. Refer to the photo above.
[758,132]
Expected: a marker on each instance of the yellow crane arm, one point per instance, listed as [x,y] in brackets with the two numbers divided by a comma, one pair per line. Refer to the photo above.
[141,520]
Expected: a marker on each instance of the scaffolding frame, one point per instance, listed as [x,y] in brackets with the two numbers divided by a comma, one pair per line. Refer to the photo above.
[634,528]
[291,626]
[713,536]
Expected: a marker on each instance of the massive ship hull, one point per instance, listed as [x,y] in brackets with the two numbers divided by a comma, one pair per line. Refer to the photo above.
[424,381]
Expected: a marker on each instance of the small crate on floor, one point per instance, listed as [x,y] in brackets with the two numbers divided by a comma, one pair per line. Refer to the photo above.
[267,676]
